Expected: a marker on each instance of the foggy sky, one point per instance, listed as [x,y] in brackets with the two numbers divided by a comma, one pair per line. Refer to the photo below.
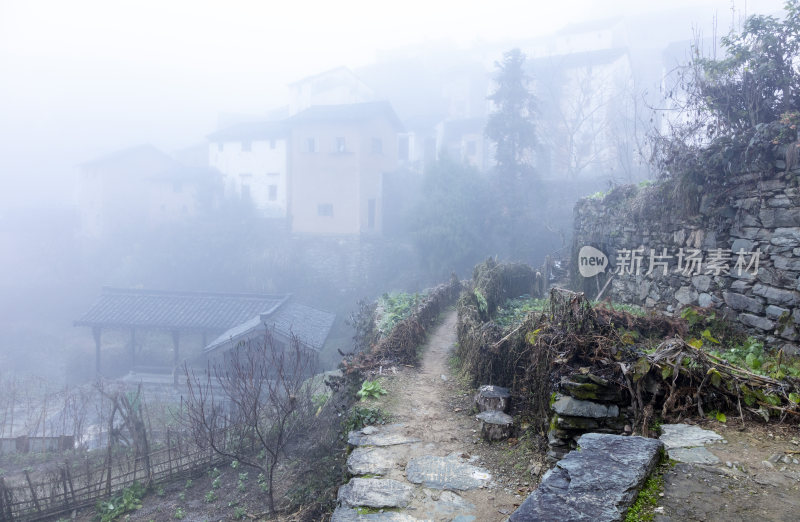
[81,78]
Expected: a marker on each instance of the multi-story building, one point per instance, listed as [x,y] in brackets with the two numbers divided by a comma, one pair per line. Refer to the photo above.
[338,155]
[136,187]
[252,158]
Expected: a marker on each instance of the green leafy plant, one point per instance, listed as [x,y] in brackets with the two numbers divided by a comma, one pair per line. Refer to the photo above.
[189,483]
[235,464]
[239,513]
[180,513]
[211,496]
[182,496]
[360,417]
[483,305]
[129,499]
[371,389]
[215,484]
[395,307]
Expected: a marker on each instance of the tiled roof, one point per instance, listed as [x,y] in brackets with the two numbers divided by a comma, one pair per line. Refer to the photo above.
[250,131]
[310,325]
[176,310]
[349,112]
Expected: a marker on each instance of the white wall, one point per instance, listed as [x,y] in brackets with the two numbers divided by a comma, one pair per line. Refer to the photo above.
[264,165]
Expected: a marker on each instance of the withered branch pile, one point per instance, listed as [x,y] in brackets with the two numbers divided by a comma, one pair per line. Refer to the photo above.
[675,381]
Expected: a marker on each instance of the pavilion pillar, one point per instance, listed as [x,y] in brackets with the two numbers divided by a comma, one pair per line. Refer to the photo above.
[133,347]
[96,332]
[176,338]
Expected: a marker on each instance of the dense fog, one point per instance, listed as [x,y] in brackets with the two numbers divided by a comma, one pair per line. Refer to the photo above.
[331,151]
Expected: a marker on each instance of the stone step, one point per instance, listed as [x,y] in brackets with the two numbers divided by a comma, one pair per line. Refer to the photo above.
[446,473]
[598,483]
[380,436]
[375,493]
[368,460]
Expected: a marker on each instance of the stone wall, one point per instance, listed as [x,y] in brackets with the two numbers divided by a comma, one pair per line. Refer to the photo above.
[747,212]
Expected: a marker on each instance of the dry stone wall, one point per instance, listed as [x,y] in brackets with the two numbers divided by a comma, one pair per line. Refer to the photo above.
[739,253]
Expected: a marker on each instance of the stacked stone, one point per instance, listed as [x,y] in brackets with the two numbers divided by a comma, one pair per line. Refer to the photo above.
[585,403]
[492,403]
[753,211]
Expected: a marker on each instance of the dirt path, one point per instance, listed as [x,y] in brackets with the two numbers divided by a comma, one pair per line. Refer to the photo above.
[431,409]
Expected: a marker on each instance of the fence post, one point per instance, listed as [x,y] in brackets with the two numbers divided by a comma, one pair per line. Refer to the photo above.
[5,502]
[169,454]
[33,491]
[69,480]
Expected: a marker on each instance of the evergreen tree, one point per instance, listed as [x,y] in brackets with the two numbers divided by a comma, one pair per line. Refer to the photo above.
[511,126]
[512,129]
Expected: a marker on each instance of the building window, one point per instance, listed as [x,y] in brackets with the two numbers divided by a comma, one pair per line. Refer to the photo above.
[339,145]
[272,174]
[472,148]
[272,144]
[371,213]
[273,192]
[247,146]
[377,146]
[220,146]
[311,143]
[325,210]
[402,152]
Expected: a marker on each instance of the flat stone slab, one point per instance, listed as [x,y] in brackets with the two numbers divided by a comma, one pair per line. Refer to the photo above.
[375,493]
[380,436]
[598,483]
[446,473]
[693,455]
[686,436]
[489,397]
[367,460]
[495,417]
[577,408]
[346,514]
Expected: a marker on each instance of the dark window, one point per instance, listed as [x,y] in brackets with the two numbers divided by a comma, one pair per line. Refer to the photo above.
[246,146]
[312,145]
[273,192]
[402,152]
[377,146]
[371,213]
[339,145]
[325,209]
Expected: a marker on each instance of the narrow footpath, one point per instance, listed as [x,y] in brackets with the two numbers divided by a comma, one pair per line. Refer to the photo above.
[425,466]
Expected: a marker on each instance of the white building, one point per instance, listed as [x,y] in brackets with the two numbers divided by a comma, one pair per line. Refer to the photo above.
[335,87]
[253,162]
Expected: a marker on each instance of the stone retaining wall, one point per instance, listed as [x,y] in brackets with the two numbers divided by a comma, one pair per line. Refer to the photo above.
[748,212]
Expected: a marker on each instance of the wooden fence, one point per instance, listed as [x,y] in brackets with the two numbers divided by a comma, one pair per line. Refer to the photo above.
[60,488]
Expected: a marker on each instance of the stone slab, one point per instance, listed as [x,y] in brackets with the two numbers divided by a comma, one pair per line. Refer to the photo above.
[346,514]
[698,455]
[686,436]
[380,436]
[375,493]
[446,473]
[597,483]
[577,408]
[367,460]
[495,417]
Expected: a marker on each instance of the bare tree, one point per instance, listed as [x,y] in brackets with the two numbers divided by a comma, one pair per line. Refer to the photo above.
[253,402]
